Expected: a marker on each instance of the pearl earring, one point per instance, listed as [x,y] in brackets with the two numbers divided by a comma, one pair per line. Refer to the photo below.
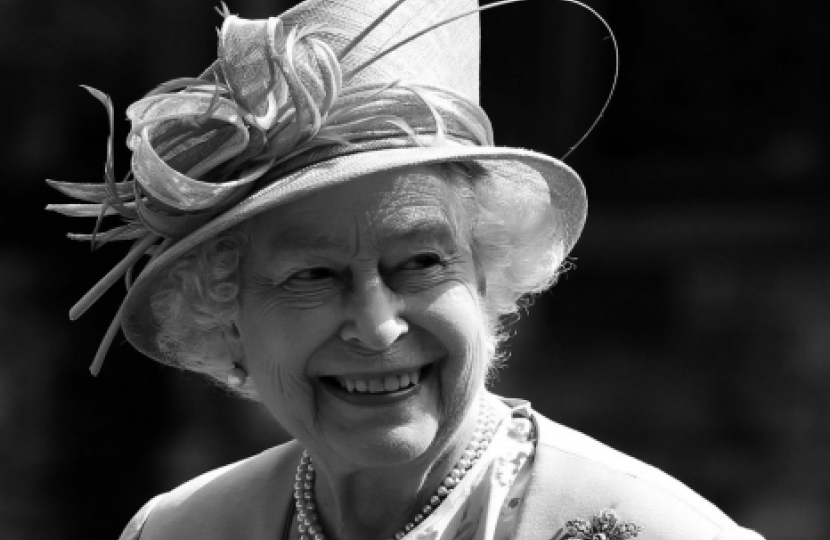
[490,349]
[237,376]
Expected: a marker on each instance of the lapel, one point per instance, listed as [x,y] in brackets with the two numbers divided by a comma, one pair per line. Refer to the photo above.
[539,519]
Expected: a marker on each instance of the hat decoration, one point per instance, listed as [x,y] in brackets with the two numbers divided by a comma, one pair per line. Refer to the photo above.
[200,145]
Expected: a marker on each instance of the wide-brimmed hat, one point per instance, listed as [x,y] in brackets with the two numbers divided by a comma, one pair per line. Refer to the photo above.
[328,92]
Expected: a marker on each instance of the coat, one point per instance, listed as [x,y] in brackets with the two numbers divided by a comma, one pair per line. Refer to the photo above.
[574,476]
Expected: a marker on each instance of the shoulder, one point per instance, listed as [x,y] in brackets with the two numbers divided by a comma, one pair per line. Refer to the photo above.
[579,477]
[231,499]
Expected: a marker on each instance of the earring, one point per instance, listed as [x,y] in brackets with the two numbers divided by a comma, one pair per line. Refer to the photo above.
[237,376]
[490,349]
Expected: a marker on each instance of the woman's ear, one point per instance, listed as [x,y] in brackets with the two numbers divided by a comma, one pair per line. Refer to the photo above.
[237,376]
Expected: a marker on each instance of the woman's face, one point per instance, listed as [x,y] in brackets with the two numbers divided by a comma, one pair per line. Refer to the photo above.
[360,321]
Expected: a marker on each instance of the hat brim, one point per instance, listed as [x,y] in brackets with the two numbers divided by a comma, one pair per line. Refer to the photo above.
[567,196]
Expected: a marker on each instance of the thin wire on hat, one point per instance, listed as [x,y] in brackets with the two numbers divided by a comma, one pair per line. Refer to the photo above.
[418,34]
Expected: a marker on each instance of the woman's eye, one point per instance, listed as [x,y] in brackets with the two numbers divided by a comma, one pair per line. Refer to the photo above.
[311,274]
[310,281]
[420,262]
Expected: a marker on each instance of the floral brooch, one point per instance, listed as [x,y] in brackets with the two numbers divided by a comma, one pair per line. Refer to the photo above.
[603,526]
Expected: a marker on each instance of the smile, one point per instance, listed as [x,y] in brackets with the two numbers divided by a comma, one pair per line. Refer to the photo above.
[391,383]
[387,386]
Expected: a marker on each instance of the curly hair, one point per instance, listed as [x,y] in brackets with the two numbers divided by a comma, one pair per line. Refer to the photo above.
[512,230]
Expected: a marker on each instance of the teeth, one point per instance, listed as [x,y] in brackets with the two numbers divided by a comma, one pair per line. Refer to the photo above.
[374,386]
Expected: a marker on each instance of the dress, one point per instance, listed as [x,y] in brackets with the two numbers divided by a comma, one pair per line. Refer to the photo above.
[539,477]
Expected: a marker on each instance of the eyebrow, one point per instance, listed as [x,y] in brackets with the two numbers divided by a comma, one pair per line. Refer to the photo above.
[425,229]
[430,230]
[299,240]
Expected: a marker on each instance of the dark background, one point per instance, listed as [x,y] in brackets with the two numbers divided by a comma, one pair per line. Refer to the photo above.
[694,332]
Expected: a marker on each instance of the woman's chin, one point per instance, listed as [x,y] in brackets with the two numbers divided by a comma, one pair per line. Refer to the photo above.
[383,429]
[389,447]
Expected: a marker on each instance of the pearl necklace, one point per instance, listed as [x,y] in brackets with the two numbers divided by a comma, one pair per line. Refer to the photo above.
[309,521]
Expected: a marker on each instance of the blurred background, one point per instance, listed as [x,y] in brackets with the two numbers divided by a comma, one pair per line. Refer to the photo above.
[693,332]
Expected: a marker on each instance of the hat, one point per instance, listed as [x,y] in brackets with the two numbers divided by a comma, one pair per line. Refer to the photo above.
[328,92]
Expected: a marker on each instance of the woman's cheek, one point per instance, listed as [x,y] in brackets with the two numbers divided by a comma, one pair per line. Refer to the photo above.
[281,380]
[294,389]
[274,342]
[454,317]
[455,320]
[453,310]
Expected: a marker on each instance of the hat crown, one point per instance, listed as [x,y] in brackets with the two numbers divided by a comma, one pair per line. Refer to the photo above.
[447,56]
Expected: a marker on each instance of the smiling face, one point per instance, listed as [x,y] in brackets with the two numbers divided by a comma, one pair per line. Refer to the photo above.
[360,321]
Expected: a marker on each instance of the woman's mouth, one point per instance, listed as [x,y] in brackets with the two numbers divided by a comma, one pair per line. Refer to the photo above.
[382,385]
[392,383]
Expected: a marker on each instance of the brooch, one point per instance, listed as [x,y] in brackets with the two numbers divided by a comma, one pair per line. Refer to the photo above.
[604,526]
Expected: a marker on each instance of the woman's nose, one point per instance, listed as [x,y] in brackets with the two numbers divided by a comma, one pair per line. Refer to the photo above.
[374,316]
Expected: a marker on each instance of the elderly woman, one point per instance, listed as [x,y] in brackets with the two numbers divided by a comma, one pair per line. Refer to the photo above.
[334,234]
